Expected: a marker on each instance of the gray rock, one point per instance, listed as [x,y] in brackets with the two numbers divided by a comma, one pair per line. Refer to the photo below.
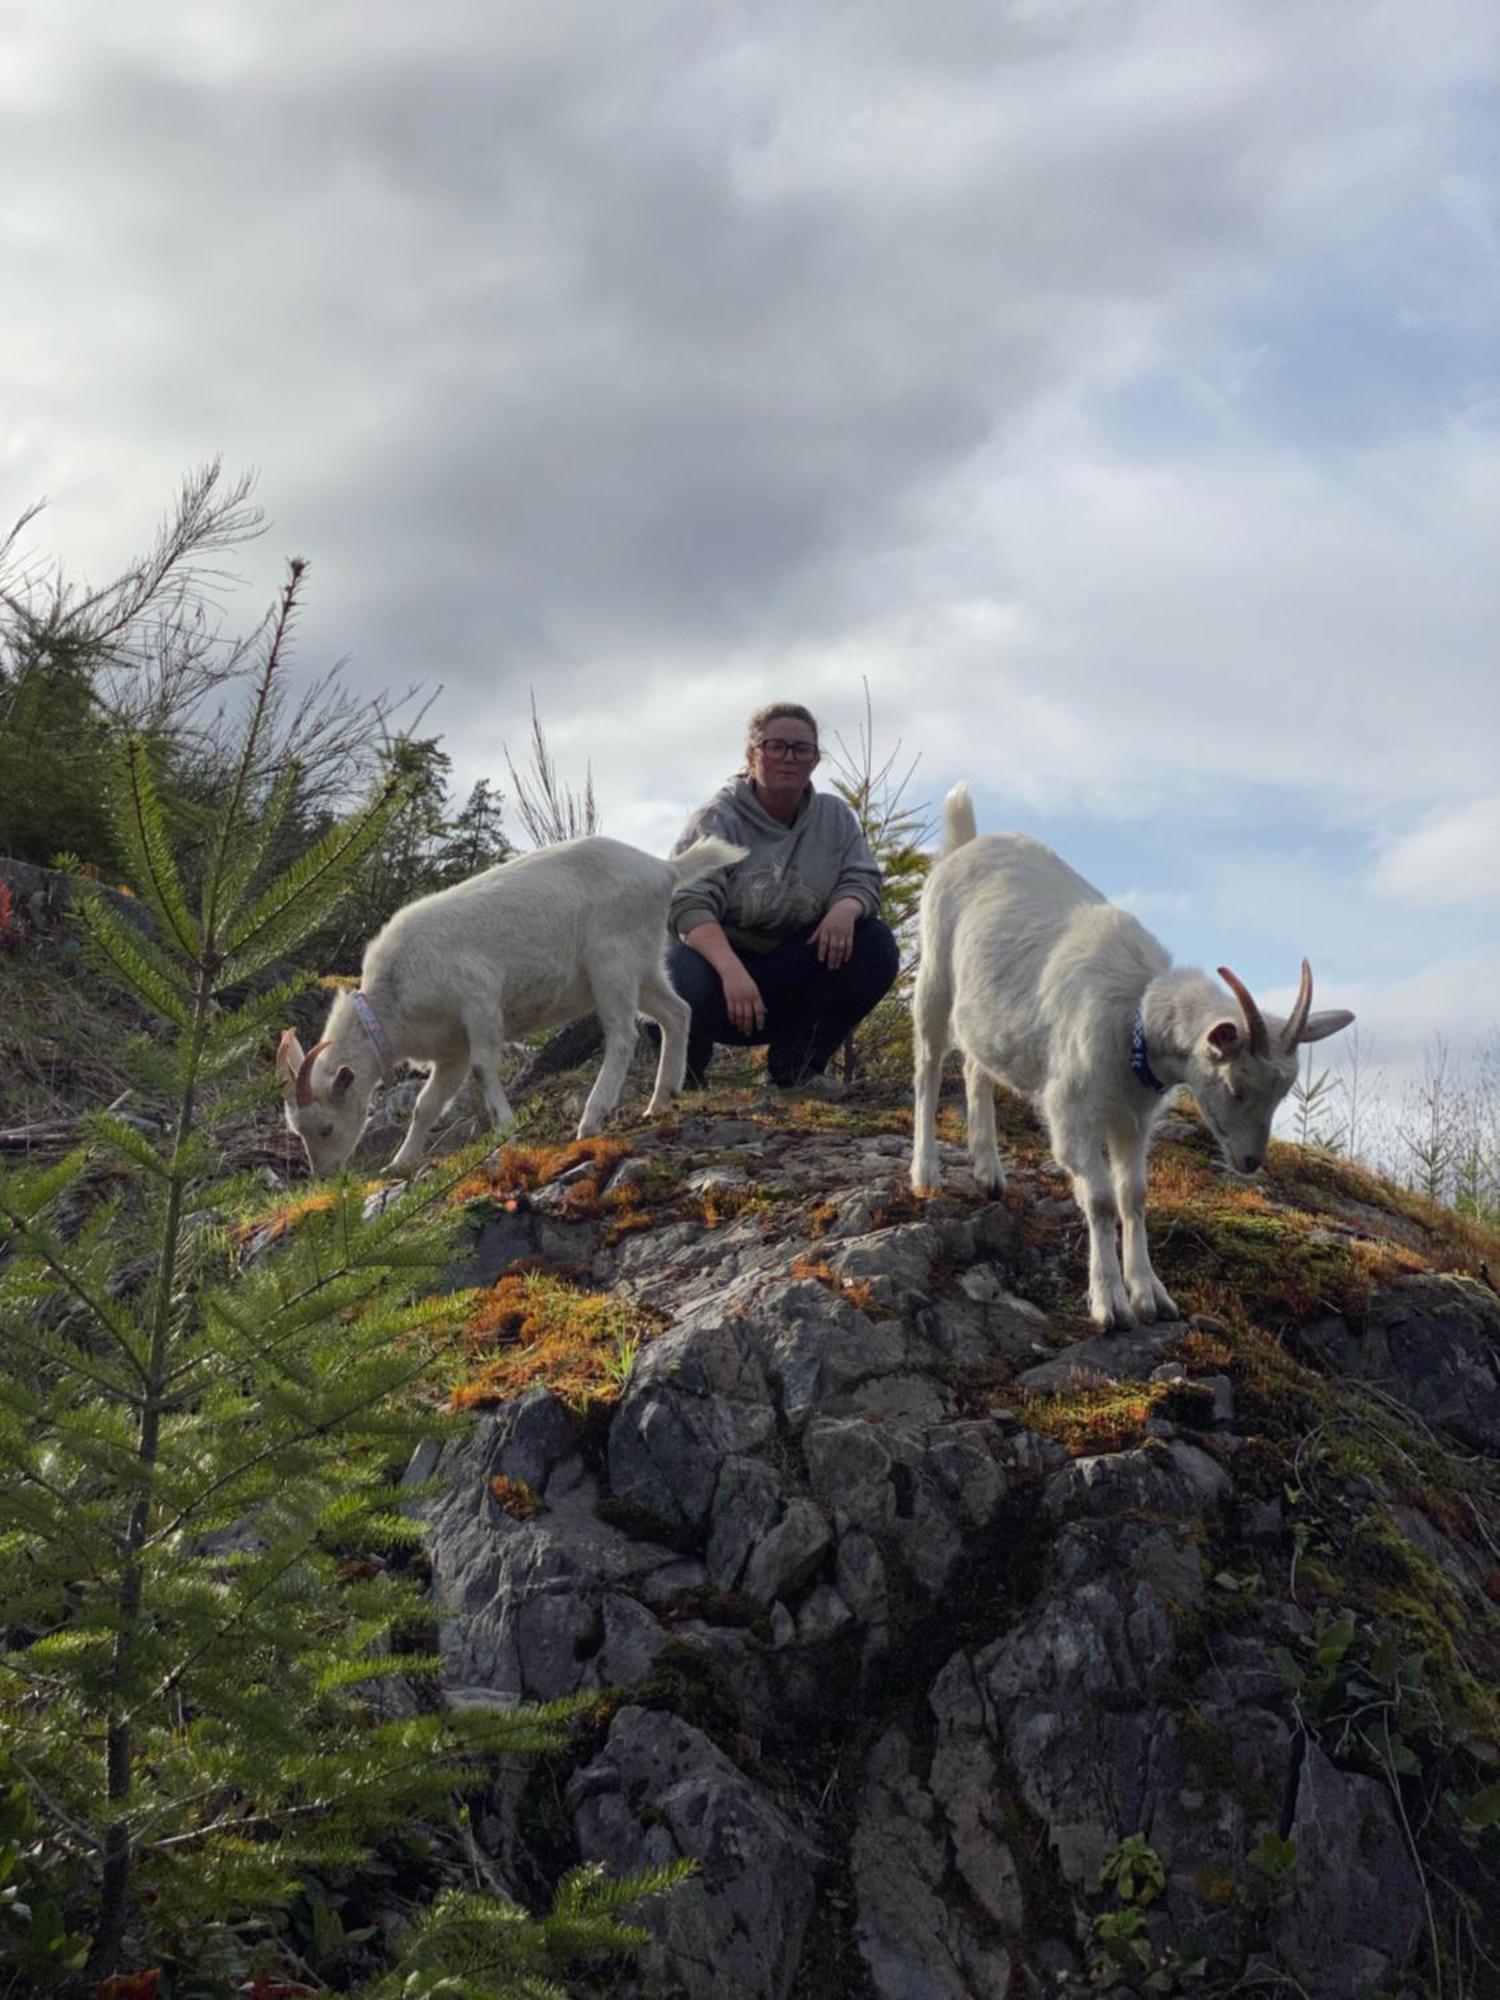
[1433,1343]
[697,1395]
[659,1790]
[747,1500]
[896,1264]
[709,1180]
[1114,1357]
[785,1557]
[966,1784]
[914,1944]
[1355,1918]
[823,1616]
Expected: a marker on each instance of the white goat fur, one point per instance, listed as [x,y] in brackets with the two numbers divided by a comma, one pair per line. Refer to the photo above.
[1036,978]
[529,945]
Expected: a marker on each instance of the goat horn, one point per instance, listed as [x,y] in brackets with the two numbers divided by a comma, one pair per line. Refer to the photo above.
[1291,1034]
[1260,1041]
[304,1075]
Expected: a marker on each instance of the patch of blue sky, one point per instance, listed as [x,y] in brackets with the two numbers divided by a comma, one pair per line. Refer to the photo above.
[1256,888]
[1335,372]
[1382,336]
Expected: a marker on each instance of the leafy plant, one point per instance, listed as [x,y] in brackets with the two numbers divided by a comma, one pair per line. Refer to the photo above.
[1133,1870]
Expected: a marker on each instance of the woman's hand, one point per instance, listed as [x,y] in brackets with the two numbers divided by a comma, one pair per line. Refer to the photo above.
[834,936]
[742,1001]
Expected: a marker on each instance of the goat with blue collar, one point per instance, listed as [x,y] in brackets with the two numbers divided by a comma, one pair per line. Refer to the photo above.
[1067,998]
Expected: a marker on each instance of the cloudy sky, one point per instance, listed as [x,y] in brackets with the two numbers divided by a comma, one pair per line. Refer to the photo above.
[1113,384]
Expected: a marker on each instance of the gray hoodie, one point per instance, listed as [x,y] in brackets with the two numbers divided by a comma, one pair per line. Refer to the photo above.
[791,874]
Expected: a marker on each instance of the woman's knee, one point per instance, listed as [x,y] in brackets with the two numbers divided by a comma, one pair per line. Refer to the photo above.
[877,953]
[693,978]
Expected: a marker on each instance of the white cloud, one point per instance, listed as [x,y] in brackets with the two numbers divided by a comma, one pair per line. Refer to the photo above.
[1453,857]
[670,357]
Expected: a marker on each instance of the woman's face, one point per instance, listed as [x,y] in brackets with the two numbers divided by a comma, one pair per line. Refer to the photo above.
[782,760]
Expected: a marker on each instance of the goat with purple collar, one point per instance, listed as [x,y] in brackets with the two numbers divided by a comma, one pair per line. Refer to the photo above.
[574,929]
[1067,998]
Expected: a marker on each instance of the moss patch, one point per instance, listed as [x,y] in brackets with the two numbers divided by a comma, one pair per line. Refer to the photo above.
[1094,1418]
[533,1328]
[521,1170]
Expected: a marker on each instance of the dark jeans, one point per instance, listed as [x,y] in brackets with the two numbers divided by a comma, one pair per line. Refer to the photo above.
[809,1009]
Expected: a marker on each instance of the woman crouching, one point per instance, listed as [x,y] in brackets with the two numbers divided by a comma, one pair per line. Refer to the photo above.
[786,947]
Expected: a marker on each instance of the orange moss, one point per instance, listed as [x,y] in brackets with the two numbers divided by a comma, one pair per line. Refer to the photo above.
[533,1328]
[518,1170]
[275,1225]
[1200,1349]
[515,1497]
[855,1290]
[901,1206]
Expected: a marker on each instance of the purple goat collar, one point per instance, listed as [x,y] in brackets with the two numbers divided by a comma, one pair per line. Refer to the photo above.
[376,1033]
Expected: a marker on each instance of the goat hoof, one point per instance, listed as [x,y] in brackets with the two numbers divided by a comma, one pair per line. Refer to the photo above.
[992,1190]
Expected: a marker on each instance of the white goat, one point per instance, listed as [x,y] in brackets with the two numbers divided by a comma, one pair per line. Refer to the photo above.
[576,928]
[1046,987]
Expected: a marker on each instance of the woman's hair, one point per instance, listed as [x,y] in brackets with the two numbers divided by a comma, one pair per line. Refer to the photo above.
[762,719]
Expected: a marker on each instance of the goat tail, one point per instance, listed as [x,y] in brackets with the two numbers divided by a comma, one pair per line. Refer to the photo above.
[702,858]
[958,818]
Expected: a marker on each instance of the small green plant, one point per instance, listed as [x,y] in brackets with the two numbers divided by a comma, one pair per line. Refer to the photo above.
[1272,1861]
[1318,1680]
[620,1365]
[1120,1947]
[1133,1870]
[469,1947]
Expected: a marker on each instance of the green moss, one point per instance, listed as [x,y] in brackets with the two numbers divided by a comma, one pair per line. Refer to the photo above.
[1423,1610]
[688,1681]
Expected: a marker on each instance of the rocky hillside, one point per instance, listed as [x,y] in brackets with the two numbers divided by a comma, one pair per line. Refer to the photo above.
[968,1654]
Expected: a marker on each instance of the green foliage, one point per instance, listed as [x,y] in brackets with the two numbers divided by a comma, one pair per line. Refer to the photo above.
[1273,1861]
[1133,1870]
[469,1947]
[875,791]
[203,1543]
[54,735]
[38,1879]
[1315,1098]
[1120,1945]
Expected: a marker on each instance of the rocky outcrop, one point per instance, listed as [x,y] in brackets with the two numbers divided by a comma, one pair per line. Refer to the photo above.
[901,1662]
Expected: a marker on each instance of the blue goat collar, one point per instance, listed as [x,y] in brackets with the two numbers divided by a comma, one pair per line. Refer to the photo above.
[1140,1062]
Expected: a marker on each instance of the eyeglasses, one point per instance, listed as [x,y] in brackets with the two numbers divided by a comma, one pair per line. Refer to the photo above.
[780,748]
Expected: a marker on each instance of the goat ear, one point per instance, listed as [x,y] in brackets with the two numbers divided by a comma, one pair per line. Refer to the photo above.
[288,1059]
[1224,1036]
[341,1083]
[1317,1027]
